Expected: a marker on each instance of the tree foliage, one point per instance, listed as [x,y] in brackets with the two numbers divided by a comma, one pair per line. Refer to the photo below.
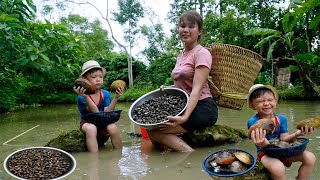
[297,24]
[41,59]
[97,43]
[37,52]
[130,11]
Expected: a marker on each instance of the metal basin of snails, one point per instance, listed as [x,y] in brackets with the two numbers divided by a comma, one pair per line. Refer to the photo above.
[39,163]
[151,109]
[229,163]
[282,149]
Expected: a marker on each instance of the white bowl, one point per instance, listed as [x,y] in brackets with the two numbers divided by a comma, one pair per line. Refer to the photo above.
[69,156]
[155,94]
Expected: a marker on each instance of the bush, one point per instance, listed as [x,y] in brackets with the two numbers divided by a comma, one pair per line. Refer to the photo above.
[10,90]
[137,91]
[294,93]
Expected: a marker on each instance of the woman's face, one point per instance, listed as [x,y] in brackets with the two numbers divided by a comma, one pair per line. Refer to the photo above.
[189,32]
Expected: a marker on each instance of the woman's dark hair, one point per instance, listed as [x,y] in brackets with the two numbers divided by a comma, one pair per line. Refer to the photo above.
[194,17]
[259,92]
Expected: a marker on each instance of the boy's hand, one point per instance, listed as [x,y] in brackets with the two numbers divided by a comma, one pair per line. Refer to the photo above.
[305,130]
[80,90]
[258,137]
[119,92]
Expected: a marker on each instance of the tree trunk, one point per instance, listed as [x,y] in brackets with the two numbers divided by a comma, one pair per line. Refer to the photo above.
[130,75]
[311,89]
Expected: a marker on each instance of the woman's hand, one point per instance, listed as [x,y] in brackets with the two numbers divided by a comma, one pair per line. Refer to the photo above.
[162,88]
[173,122]
[80,90]
[258,137]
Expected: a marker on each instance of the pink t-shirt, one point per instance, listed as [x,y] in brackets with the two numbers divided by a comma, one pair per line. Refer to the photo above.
[184,69]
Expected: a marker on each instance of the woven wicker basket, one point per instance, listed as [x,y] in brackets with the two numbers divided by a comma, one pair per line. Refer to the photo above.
[234,70]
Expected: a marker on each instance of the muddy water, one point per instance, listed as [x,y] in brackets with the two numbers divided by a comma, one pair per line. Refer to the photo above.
[35,126]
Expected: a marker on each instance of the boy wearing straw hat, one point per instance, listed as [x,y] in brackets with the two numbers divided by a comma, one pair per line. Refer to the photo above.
[263,99]
[99,101]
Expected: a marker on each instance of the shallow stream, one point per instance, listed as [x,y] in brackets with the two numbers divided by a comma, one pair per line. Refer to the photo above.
[35,126]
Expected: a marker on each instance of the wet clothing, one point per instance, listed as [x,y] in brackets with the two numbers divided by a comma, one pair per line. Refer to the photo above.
[281,126]
[205,114]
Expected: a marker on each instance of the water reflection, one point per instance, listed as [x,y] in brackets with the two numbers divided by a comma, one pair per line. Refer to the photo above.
[93,166]
[133,164]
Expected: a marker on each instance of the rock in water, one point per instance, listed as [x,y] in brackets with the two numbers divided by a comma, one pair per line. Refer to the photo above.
[212,136]
[70,141]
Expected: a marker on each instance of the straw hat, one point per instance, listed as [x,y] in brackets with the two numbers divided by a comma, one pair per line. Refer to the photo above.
[258,86]
[90,65]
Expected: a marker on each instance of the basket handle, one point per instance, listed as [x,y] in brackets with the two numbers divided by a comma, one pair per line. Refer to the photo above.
[226,94]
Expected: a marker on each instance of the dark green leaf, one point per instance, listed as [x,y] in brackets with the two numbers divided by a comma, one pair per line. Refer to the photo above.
[261,31]
[294,68]
[263,41]
[270,50]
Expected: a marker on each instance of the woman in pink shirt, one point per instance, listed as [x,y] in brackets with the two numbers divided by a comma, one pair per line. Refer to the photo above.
[190,74]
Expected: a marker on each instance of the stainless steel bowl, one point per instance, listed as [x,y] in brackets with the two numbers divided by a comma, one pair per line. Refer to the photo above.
[155,94]
[67,156]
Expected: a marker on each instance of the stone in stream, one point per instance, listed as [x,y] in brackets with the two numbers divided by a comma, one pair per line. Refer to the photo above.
[70,141]
[215,135]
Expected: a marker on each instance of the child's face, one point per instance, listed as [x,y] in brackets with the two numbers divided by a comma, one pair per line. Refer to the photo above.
[95,78]
[264,104]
